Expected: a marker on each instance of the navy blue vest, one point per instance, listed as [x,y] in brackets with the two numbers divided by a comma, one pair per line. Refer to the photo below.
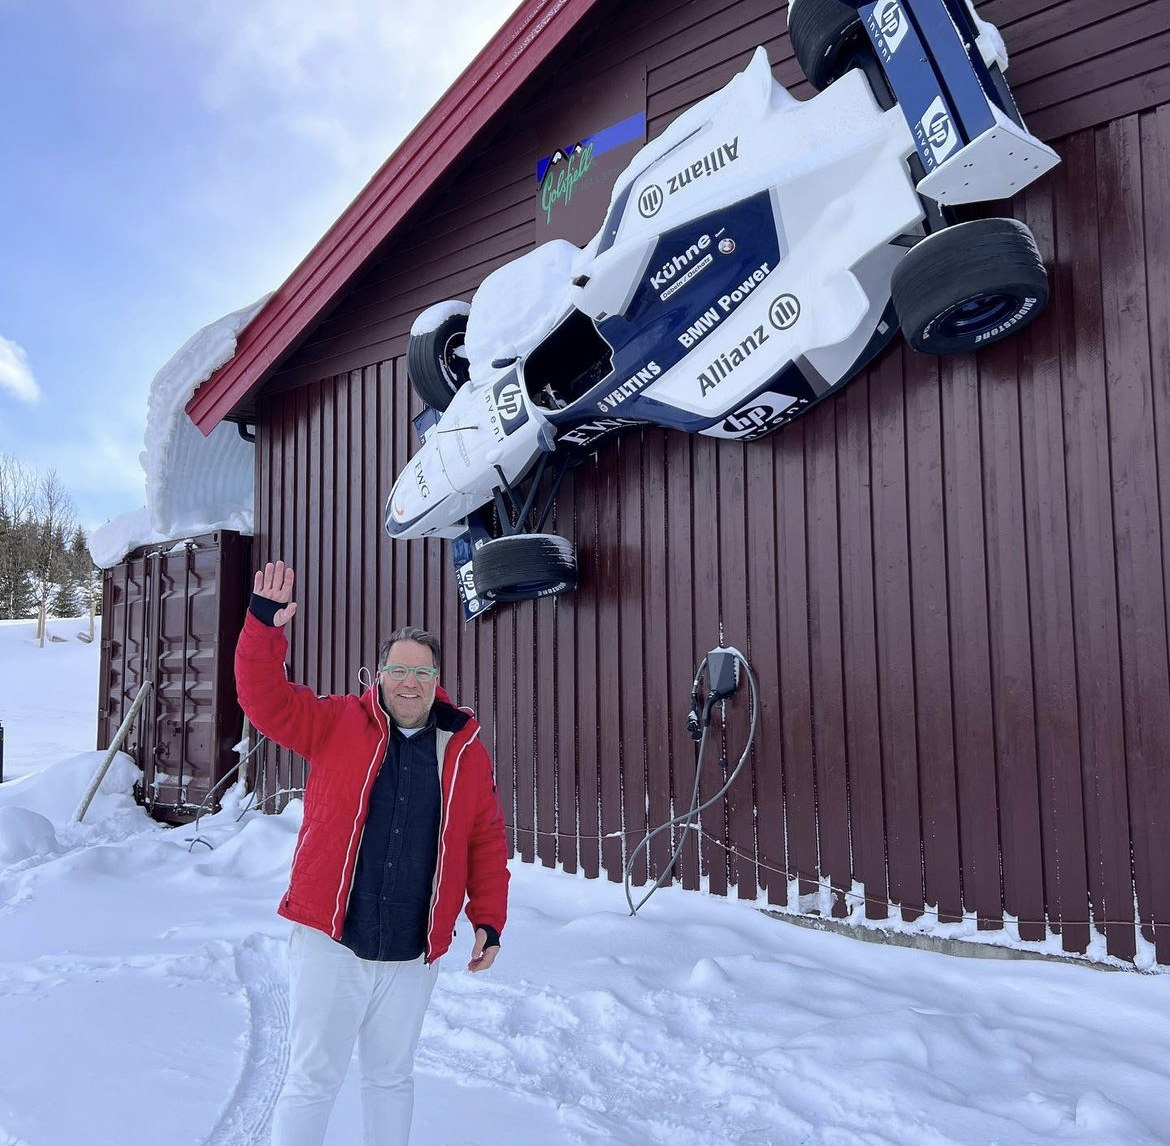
[391,896]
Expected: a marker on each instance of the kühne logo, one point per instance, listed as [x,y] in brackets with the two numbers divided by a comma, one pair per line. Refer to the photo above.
[687,267]
[680,263]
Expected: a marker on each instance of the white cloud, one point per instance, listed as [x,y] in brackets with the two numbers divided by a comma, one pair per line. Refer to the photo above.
[351,77]
[16,375]
[298,105]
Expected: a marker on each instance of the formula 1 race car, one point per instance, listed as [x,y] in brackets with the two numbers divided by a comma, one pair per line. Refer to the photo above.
[754,257]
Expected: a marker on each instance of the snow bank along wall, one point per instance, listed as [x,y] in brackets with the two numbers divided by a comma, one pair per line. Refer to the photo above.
[949,579]
[171,615]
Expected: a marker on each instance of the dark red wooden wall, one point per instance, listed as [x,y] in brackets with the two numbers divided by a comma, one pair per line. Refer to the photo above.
[950,579]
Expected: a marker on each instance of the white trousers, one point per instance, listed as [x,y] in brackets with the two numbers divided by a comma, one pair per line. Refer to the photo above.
[335,999]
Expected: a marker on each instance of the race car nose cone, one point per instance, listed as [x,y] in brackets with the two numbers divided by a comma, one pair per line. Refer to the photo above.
[406,504]
[422,502]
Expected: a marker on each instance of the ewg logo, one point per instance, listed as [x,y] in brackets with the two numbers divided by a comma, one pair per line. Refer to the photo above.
[650,201]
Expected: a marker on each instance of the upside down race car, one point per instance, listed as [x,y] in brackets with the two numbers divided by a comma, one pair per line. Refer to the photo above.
[753,258]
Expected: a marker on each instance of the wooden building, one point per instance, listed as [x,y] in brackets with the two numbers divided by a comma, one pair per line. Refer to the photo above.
[950,578]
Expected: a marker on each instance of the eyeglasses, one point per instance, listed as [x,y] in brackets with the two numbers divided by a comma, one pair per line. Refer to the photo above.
[424,674]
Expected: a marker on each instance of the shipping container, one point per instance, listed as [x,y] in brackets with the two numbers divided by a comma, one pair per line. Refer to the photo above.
[171,613]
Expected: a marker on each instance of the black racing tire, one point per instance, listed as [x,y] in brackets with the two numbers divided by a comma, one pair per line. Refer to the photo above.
[827,38]
[433,363]
[969,286]
[524,567]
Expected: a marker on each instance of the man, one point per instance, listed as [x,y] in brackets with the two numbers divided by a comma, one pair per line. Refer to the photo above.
[401,822]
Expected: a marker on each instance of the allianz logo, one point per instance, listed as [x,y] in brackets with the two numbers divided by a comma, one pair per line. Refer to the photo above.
[712,162]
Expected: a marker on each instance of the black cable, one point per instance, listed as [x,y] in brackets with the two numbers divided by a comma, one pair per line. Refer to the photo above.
[230,774]
[695,809]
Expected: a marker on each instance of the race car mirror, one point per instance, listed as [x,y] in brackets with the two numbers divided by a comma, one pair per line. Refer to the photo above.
[745,270]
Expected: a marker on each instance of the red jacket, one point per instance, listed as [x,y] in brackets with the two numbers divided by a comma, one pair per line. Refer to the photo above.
[344,740]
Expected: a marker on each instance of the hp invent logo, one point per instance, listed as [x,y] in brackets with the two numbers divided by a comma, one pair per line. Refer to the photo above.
[509,401]
[650,201]
[756,418]
[891,25]
[784,311]
[890,20]
[938,131]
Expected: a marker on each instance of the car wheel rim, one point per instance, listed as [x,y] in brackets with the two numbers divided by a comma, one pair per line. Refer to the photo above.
[976,315]
[447,361]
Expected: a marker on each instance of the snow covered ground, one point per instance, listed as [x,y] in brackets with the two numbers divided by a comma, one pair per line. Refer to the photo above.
[142,997]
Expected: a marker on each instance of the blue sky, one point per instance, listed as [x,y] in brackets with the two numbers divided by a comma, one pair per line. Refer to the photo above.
[165,163]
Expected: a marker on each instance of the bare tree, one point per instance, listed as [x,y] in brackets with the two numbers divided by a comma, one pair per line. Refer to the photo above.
[56,522]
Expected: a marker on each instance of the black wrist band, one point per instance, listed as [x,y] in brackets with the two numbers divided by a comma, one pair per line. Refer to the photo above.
[264,609]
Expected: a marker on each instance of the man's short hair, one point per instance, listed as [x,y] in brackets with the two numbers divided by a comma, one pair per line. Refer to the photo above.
[410,633]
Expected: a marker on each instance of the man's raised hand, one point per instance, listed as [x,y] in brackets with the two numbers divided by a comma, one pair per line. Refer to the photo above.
[276,583]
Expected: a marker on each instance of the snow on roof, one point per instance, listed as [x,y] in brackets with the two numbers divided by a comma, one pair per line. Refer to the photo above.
[194,484]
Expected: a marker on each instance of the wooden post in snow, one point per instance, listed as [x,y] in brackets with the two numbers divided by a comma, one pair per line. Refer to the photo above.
[115,744]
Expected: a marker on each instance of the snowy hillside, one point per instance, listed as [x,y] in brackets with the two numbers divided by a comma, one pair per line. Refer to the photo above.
[142,997]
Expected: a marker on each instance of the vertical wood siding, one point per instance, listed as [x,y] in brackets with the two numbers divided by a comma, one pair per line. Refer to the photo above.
[950,579]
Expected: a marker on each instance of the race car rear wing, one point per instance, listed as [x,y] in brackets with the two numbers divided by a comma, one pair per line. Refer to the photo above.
[944,71]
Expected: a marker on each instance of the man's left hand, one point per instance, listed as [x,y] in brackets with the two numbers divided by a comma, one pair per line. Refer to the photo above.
[482,959]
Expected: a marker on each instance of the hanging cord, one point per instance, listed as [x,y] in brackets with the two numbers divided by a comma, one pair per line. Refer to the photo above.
[687,818]
[204,804]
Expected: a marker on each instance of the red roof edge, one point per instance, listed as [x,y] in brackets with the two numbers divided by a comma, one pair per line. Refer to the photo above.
[536,28]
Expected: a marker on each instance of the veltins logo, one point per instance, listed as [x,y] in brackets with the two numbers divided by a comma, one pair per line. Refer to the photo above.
[891,24]
[650,201]
[784,311]
[937,130]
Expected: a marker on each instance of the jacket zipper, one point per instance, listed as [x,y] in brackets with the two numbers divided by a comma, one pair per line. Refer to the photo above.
[381,752]
[444,817]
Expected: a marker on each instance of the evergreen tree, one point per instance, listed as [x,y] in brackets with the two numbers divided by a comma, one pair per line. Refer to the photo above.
[15,592]
[68,602]
[87,576]
[17,500]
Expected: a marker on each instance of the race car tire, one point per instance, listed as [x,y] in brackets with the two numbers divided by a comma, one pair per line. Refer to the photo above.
[524,567]
[825,35]
[969,286]
[433,363]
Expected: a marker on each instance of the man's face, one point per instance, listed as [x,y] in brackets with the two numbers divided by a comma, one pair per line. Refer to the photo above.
[409,700]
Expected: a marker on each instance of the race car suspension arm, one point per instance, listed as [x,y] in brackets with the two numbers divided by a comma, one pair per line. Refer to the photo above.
[522,510]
